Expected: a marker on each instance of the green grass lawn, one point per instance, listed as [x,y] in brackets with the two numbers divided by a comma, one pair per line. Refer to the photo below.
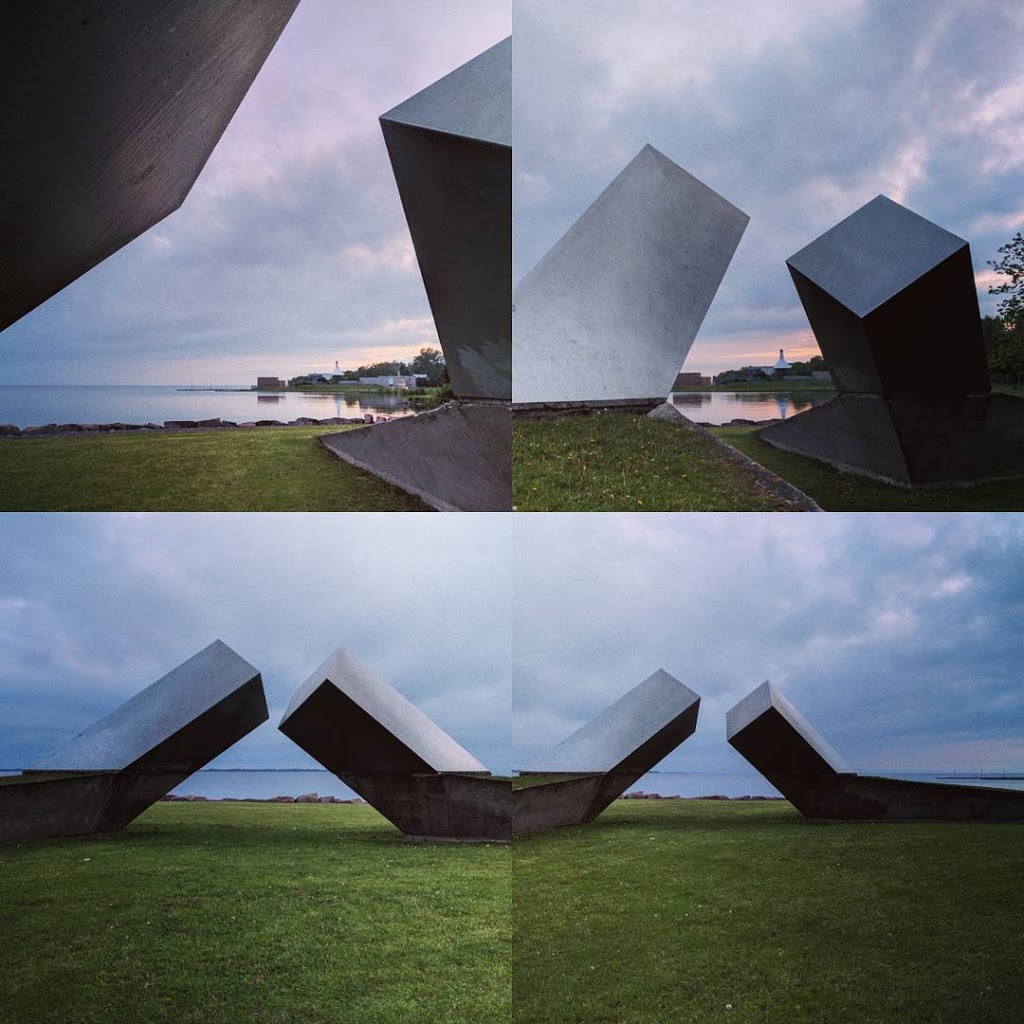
[844,492]
[257,470]
[620,462]
[698,911]
[228,913]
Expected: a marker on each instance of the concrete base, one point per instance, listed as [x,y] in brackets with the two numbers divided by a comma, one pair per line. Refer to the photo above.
[870,798]
[562,802]
[50,806]
[457,458]
[911,442]
[439,806]
[557,410]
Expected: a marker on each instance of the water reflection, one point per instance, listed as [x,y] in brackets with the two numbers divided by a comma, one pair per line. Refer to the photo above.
[722,406]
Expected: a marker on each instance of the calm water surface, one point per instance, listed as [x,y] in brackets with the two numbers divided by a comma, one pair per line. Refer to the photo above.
[33,405]
[722,406]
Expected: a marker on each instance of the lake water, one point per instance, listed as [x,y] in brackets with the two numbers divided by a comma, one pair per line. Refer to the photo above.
[265,785]
[721,406]
[33,405]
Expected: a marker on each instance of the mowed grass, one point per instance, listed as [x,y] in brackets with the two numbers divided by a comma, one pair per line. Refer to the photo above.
[300,913]
[843,492]
[621,462]
[266,469]
[698,911]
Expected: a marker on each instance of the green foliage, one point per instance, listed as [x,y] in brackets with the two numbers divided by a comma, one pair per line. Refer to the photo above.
[431,362]
[1004,346]
[620,462]
[235,913]
[257,470]
[1011,265]
[698,911]
[844,492]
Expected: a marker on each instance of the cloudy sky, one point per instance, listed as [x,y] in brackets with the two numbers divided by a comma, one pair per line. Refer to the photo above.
[95,607]
[796,111]
[898,636]
[291,251]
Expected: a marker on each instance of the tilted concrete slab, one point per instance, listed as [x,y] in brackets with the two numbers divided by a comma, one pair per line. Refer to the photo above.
[106,776]
[394,756]
[779,742]
[892,301]
[607,755]
[451,150]
[455,458]
[113,109]
[611,311]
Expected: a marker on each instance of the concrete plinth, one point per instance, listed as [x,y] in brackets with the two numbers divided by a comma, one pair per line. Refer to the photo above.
[779,742]
[451,150]
[395,757]
[106,776]
[112,110]
[456,458]
[611,311]
[911,441]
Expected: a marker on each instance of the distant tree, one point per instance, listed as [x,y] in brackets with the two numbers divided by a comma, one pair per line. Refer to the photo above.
[1011,265]
[1004,346]
[431,362]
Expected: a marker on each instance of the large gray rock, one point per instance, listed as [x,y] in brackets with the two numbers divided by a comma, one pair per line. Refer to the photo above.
[451,151]
[118,106]
[783,746]
[612,310]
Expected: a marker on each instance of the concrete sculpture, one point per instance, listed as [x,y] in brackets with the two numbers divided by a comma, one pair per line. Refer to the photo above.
[602,759]
[608,315]
[893,305]
[364,731]
[451,151]
[107,775]
[779,742]
[113,109]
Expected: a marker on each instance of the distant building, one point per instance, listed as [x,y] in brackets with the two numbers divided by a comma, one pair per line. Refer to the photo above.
[690,380]
[394,380]
[781,366]
[269,384]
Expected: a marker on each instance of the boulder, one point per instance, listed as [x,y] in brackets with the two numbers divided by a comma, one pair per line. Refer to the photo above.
[9,430]
[308,798]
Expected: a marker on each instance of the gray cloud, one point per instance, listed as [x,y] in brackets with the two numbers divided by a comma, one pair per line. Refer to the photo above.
[797,112]
[92,608]
[291,250]
[898,636]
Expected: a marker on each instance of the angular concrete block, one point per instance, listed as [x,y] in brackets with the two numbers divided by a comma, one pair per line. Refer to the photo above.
[611,311]
[457,458]
[104,777]
[892,301]
[396,758]
[451,150]
[602,759]
[779,742]
[113,109]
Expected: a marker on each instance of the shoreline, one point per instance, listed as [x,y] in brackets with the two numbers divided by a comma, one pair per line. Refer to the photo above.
[181,426]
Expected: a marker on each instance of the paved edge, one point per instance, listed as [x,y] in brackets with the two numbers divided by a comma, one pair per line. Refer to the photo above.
[772,483]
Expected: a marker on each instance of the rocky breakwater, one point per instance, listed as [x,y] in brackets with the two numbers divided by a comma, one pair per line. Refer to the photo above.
[175,426]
